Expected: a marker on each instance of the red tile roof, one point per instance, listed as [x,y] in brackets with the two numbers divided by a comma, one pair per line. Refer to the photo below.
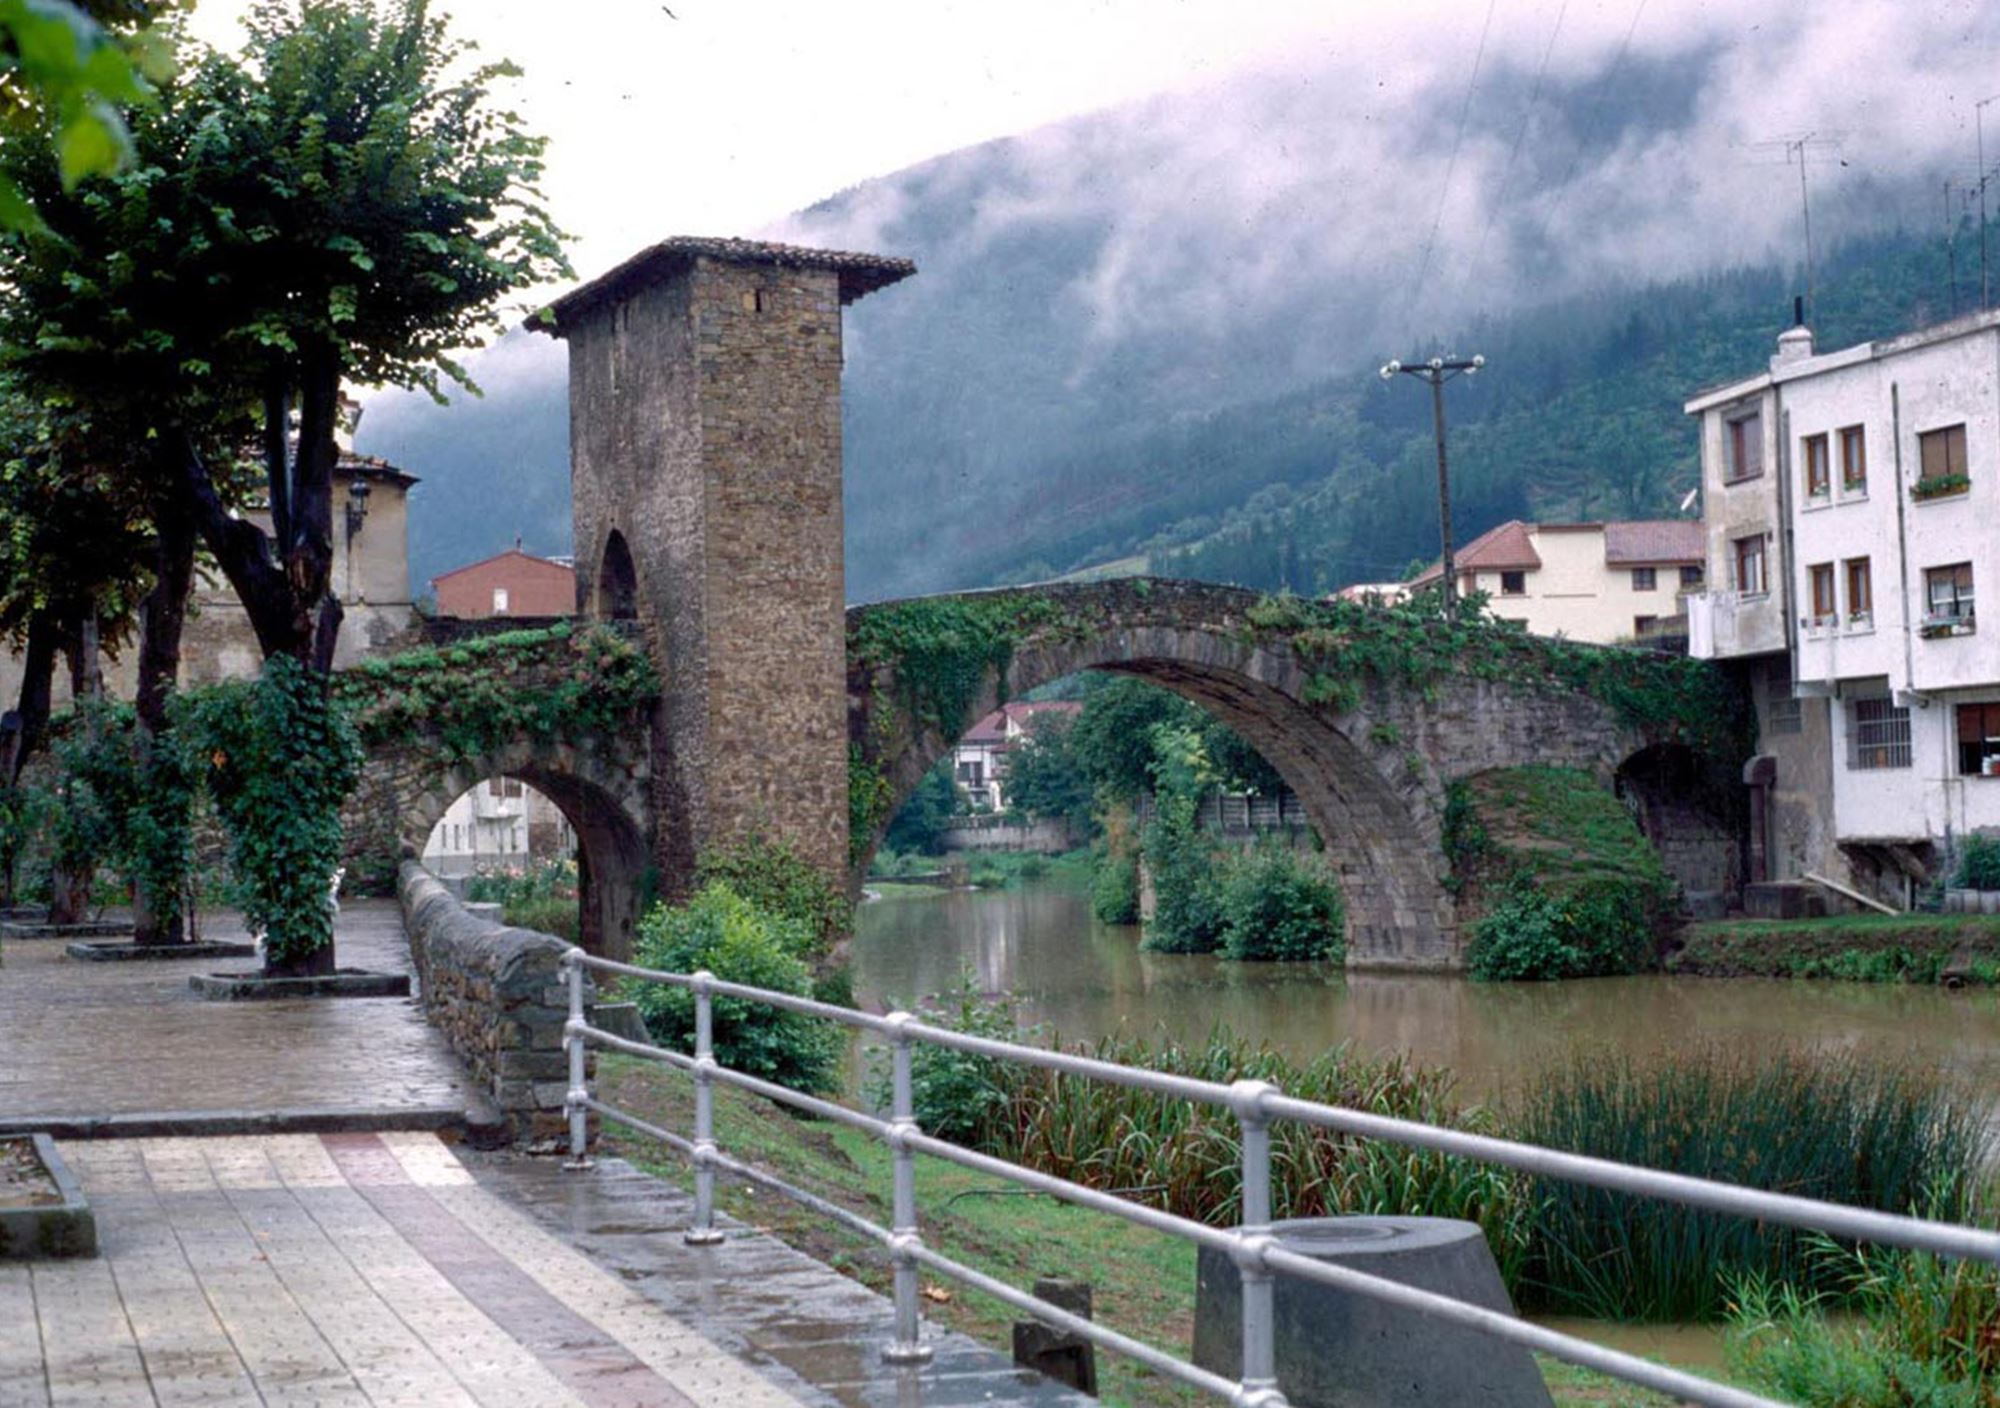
[1505,548]
[1663,540]
[1020,713]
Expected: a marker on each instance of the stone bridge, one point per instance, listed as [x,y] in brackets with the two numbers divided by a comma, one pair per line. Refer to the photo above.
[1339,698]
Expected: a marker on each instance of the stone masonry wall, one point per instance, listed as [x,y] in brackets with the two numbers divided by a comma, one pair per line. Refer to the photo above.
[498,996]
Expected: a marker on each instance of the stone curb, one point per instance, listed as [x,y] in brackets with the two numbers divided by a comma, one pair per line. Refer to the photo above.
[66,1229]
[198,1124]
[252,987]
[126,950]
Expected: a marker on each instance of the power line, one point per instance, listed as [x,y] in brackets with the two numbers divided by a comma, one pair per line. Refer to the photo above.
[1514,152]
[1451,166]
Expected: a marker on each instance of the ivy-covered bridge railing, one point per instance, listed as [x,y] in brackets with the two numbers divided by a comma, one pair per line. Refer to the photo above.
[1258,1255]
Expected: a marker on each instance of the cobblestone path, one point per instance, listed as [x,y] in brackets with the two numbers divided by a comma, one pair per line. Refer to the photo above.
[339,1270]
[85,1041]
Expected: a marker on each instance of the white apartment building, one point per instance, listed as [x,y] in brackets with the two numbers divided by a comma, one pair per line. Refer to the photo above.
[500,822]
[1600,582]
[1853,508]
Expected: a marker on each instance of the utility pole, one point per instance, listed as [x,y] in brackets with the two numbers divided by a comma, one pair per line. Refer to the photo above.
[1805,207]
[1437,371]
[1804,149]
[1950,247]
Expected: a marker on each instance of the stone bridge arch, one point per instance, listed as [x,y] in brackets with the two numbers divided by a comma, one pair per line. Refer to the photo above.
[600,783]
[1369,756]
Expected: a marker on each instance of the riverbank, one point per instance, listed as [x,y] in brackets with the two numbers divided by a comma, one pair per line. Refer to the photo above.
[1143,1281]
[1877,948]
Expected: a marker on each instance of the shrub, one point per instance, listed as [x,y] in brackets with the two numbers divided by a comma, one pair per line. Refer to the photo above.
[1588,929]
[546,914]
[524,884]
[957,1095]
[1836,1128]
[1187,893]
[1278,906]
[772,875]
[1978,863]
[1114,888]
[723,932]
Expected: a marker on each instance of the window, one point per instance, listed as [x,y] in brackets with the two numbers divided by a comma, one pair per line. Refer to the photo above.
[1644,579]
[1979,739]
[1853,458]
[1948,592]
[972,774]
[1818,466]
[1513,583]
[1643,626]
[499,601]
[1782,714]
[1743,447]
[1878,735]
[1750,564]
[1860,589]
[1690,578]
[1823,607]
[1942,454]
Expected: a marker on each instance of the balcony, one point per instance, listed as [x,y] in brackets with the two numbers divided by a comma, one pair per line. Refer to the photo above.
[1725,624]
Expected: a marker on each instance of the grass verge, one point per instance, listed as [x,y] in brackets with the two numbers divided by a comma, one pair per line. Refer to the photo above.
[1143,1281]
[1880,948]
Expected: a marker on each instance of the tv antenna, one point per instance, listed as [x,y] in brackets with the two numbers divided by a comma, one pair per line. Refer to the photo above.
[1805,149]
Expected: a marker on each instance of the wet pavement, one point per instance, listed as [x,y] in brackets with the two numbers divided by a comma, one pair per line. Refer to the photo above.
[89,1047]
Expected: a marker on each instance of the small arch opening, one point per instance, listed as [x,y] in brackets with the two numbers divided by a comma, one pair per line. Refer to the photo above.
[617,582]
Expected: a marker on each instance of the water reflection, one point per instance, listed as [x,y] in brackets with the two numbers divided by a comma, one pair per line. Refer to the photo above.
[1040,943]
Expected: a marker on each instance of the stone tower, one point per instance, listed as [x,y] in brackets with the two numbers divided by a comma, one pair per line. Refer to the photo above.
[705,478]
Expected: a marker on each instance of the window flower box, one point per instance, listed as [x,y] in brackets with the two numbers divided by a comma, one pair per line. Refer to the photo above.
[1938,627]
[1941,486]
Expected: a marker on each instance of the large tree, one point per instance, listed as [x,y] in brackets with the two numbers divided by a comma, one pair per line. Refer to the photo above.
[340,200]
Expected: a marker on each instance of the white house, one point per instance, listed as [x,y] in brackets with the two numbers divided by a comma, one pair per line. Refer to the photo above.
[979,763]
[1601,582]
[1853,508]
[500,822]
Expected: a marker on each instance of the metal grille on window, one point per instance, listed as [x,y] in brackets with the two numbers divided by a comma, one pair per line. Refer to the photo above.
[1878,734]
[1782,715]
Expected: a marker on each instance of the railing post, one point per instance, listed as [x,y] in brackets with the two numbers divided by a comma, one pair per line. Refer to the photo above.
[1259,1384]
[908,1346]
[703,1233]
[576,1048]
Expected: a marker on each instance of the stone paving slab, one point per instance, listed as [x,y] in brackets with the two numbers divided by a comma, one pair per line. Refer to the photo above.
[125,1048]
[776,1308]
[341,1269]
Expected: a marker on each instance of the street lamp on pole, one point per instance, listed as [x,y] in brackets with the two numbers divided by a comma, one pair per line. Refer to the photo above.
[1437,371]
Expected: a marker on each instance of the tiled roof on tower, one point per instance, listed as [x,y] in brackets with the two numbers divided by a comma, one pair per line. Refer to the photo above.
[860,274]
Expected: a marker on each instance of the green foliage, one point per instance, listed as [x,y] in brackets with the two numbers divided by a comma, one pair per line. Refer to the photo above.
[281,760]
[553,683]
[1875,948]
[724,933]
[1818,1125]
[1046,780]
[1112,744]
[1114,888]
[92,787]
[958,1095]
[1671,698]
[68,77]
[771,874]
[1188,914]
[919,826]
[517,884]
[1940,486]
[1586,930]
[1466,842]
[1928,1333]
[547,914]
[1188,1157]
[1279,907]
[1978,863]
[942,649]
[869,797]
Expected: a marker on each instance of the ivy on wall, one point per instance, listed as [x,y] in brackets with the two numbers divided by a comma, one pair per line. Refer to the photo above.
[1671,697]
[939,649]
[554,682]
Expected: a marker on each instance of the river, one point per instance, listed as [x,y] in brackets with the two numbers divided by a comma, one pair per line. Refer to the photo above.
[1039,943]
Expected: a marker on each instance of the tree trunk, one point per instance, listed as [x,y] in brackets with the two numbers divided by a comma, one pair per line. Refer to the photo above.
[69,890]
[163,614]
[23,728]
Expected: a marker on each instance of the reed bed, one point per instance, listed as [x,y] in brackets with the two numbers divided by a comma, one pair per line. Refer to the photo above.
[1881,1135]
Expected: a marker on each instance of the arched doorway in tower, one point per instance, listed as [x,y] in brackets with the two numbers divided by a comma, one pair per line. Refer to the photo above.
[617,594]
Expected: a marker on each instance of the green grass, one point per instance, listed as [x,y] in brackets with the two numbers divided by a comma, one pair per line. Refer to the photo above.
[1143,1282]
[1561,824]
[1904,948]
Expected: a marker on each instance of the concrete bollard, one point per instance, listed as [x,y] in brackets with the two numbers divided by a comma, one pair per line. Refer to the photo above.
[1340,1350]
[1057,1354]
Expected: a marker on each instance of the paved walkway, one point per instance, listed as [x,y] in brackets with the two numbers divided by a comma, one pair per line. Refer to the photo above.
[88,1043]
[341,1270]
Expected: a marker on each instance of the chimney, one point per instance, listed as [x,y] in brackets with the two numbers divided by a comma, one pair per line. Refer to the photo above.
[1795,343]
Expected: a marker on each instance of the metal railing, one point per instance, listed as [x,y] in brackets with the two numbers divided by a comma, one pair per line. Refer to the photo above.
[1258,1256]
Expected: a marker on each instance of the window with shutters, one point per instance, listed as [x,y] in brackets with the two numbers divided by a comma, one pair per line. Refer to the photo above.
[1817,460]
[1853,459]
[1979,739]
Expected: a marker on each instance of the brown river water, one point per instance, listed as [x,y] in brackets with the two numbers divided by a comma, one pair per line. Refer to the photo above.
[1038,943]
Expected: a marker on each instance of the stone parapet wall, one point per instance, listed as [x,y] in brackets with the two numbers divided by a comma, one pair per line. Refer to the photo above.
[498,995]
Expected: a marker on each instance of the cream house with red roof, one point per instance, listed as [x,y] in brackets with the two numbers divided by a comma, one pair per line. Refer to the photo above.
[979,763]
[1600,582]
